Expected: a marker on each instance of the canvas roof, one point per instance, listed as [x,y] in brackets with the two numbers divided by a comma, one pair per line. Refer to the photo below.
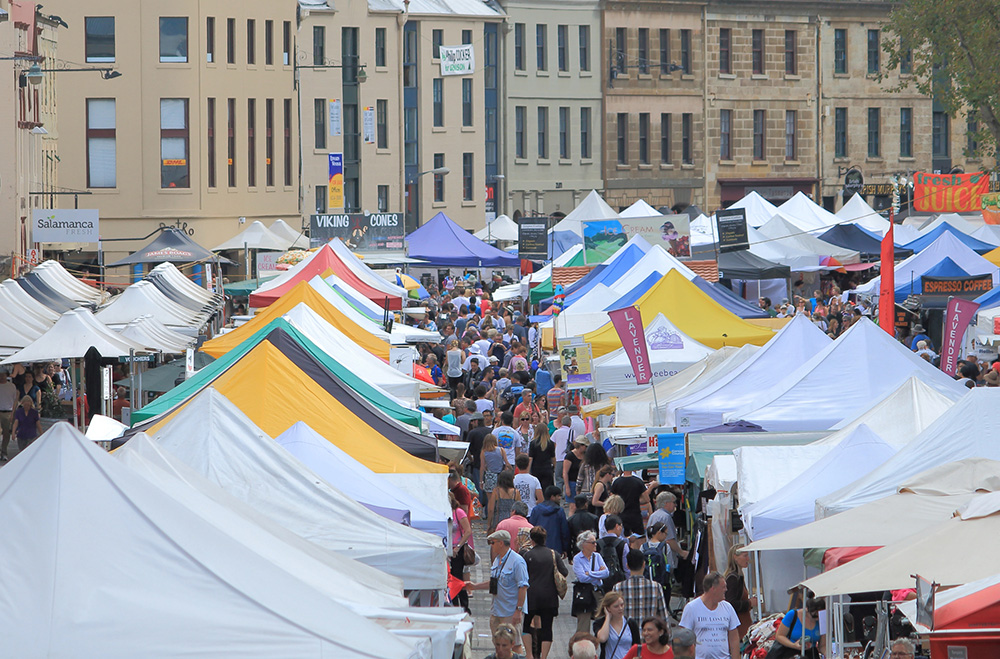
[75,333]
[295,239]
[744,264]
[363,272]
[795,343]
[806,214]
[501,228]
[945,268]
[782,230]
[728,299]
[212,436]
[829,388]
[175,579]
[758,210]
[857,211]
[763,470]
[143,298]
[441,242]
[400,335]
[927,237]
[17,300]
[40,289]
[171,245]
[850,236]
[693,312]
[151,333]
[59,278]
[956,220]
[593,207]
[180,288]
[988,233]
[302,293]
[255,236]
[640,209]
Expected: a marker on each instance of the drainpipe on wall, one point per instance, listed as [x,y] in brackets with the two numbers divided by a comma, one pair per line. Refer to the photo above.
[401,19]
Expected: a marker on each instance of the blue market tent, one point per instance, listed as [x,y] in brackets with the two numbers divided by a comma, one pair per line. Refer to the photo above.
[561,242]
[989,300]
[602,274]
[723,296]
[925,240]
[946,268]
[855,238]
[441,242]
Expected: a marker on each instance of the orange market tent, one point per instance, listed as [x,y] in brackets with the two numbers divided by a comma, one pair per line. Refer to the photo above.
[691,311]
[301,293]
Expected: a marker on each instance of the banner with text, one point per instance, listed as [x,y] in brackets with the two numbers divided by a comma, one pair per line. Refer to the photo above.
[970,287]
[368,125]
[375,231]
[533,238]
[956,320]
[671,232]
[336,127]
[628,324]
[336,189]
[458,60]
[670,453]
[65,225]
[731,225]
[949,193]
[575,359]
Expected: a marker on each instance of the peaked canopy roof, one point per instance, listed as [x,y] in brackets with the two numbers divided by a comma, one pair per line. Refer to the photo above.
[758,209]
[988,233]
[945,268]
[947,245]
[42,290]
[16,299]
[857,211]
[441,242]
[175,577]
[927,238]
[500,228]
[295,239]
[154,335]
[783,231]
[255,236]
[827,388]
[171,245]
[144,298]
[850,236]
[593,207]
[365,273]
[640,209]
[744,264]
[53,273]
[75,333]
[807,214]
[728,299]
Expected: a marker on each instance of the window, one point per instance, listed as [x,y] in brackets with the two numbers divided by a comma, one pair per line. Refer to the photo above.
[231,141]
[251,41]
[437,40]
[757,51]
[665,157]
[209,39]
[467,186]
[466,37]
[665,52]
[286,43]
[410,136]
[382,123]
[438,178]
[173,39]
[874,51]
[686,51]
[174,168]
[874,133]
[562,47]
[622,141]
[725,134]
[840,132]
[621,50]
[906,63]
[940,147]
[383,198]
[437,87]
[644,138]
[100,38]
[466,101]
[410,59]
[584,47]
[790,135]
[286,120]
[760,135]
[585,133]
[687,119]
[231,41]
[520,117]
[210,134]
[840,50]
[319,45]
[252,142]
[319,123]
[791,52]
[269,142]
[519,46]
[268,43]
[380,46]
[322,195]
[643,50]
[906,132]
[101,153]
[541,47]
[725,43]
[543,133]
[564,133]
[972,135]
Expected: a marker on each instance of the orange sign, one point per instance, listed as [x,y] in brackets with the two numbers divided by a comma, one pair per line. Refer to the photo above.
[949,193]
[174,162]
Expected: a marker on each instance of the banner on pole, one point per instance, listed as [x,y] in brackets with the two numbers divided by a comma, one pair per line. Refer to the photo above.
[887,284]
[368,125]
[336,126]
[956,321]
[336,190]
[949,193]
[731,224]
[628,324]
[670,453]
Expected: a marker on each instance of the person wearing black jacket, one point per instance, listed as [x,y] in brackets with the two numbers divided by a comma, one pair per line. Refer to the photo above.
[580,521]
[543,600]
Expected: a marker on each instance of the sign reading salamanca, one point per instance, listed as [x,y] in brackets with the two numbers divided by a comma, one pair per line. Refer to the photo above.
[65,225]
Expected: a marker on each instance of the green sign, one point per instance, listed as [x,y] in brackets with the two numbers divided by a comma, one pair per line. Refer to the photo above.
[124,359]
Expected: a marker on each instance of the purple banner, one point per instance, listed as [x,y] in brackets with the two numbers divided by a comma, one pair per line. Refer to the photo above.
[628,324]
[956,320]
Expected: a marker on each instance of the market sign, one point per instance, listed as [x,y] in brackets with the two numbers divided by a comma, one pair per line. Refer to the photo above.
[670,454]
[359,231]
[458,60]
[65,225]
[575,359]
[956,321]
[671,232]
[731,225]
[990,203]
[854,181]
[949,193]
[970,287]
[533,238]
[628,324]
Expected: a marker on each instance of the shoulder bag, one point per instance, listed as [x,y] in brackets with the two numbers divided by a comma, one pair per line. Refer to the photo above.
[561,584]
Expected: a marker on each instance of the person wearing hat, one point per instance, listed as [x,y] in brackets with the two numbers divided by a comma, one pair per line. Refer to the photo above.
[510,574]
[993,375]
[571,463]
[919,334]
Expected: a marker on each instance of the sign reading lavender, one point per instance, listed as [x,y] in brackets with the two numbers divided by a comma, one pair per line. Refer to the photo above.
[628,324]
[956,320]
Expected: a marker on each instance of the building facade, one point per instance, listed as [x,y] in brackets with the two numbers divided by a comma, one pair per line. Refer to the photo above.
[552,122]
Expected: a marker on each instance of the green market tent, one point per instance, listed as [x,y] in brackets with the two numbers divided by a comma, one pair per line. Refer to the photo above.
[544,289]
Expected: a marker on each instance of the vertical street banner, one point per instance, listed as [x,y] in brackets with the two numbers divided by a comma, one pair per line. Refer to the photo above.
[336,181]
[956,320]
[368,124]
[336,125]
[670,454]
[731,225]
[949,193]
[628,324]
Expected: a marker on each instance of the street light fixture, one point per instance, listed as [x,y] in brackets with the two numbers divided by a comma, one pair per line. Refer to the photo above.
[34,73]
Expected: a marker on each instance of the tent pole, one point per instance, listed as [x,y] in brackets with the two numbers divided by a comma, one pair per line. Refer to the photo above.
[656,403]
[75,372]
[757,584]
[131,377]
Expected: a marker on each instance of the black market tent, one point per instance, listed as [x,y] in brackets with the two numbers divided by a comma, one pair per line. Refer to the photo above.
[746,265]
[854,238]
[172,245]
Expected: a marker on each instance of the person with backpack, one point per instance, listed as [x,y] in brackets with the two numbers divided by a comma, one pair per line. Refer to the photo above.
[613,549]
[643,596]
[655,551]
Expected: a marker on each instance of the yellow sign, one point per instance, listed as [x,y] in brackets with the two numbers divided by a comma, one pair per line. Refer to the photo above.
[174,162]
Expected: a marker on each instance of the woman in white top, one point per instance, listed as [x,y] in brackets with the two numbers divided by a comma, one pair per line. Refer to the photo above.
[453,362]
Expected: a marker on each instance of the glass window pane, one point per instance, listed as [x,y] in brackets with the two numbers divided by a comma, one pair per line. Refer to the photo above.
[101,160]
[101,113]
[100,46]
[173,39]
[172,113]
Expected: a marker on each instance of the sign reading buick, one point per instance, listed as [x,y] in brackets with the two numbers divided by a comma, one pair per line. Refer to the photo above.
[64,225]
[374,231]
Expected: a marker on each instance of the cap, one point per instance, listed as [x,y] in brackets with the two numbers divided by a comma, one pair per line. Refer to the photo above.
[494,360]
[585,440]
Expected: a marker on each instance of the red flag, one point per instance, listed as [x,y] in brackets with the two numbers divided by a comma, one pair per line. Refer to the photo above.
[887,289]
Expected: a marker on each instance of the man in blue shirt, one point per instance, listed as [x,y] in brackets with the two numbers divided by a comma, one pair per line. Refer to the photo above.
[511,574]
[919,334]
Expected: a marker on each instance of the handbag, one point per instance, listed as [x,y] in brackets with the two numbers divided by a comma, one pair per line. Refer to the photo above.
[561,583]
[468,554]
[779,651]
[585,595]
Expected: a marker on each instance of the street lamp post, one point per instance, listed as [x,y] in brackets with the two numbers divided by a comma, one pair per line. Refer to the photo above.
[413,180]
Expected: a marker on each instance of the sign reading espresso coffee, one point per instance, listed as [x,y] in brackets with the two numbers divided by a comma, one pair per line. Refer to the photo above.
[956,286]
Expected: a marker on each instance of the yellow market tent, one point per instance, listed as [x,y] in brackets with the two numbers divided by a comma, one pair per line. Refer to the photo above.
[993,257]
[275,393]
[301,293]
[691,311]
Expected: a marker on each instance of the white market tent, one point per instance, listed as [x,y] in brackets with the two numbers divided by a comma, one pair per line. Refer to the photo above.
[76,332]
[785,252]
[758,210]
[957,222]
[345,308]
[593,207]
[988,233]
[215,438]
[703,231]
[501,228]
[857,211]
[967,430]
[793,505]
[17,300]
[60,280]
[919,503]
[143,298]
[15,335]
[256,236]
[174,584]
[364,273]
[783,231]
[640,209]
[670,351]
[169,277]
[806,214]
[149,332]
[369,489]
[829,388]
[293,239]
[795,343]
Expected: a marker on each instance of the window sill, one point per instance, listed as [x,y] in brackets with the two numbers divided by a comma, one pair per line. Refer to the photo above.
[438,204]
[586,161]
[520,161]
[906,159]
[520,72]
[586,74]
[381,69]
[874,159]
[320,152]
[666,76]
[758,163]
[565,161]
[758,76]
[438,129]
[646,167]
[382,152]
[842,76]
[544,73]
[622,168]
[841,159]
[666,165]
[251,67]
[687,165]
[727,163]
[468,129]
[792,163]
[177,191]
[793,76]
[687,76]
[622,76]
[644,76]
[873,75]
[564,74]
[468,203]
[543,161]
[727,76]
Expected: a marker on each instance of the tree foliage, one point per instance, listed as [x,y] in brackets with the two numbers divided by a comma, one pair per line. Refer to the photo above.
[953,45]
